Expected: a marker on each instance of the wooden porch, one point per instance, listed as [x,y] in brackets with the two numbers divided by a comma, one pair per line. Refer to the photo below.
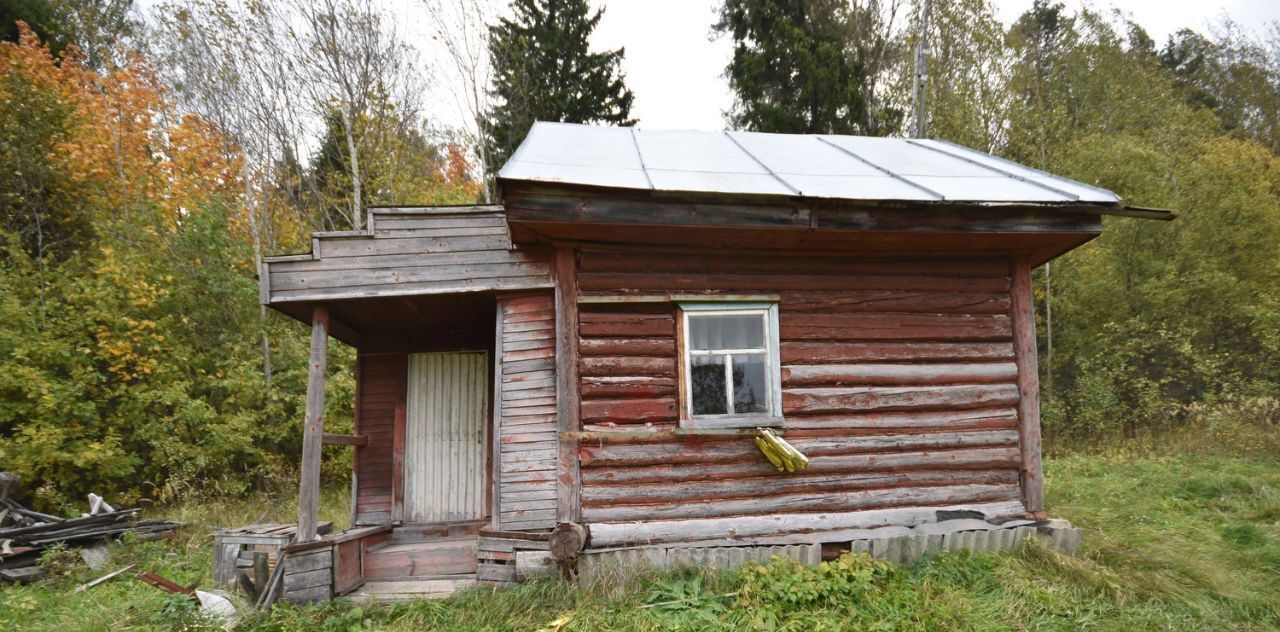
[422,294]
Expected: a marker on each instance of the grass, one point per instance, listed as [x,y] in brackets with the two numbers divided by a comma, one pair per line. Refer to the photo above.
[1183,533]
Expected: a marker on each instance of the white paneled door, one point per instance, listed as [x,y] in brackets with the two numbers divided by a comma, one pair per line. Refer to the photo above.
[446,420]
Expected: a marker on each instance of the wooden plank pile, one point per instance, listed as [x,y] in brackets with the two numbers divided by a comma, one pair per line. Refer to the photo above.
[29,532]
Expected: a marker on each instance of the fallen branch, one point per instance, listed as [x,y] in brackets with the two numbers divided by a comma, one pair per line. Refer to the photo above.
[103,579]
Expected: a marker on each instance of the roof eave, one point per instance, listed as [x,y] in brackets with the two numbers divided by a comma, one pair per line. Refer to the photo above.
[1098,208]
[1143,212]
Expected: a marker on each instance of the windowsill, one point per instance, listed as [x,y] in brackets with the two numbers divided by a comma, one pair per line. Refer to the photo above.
[733,421]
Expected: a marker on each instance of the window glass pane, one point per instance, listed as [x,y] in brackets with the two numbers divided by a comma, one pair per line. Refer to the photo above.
[706,379]
[749,384]
[726,332]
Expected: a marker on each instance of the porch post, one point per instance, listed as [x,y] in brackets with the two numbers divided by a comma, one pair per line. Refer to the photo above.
[313,426]
[1024,351]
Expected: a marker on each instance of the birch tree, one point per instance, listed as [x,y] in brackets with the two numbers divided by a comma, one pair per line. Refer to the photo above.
[968,72]
[226,69]
[348,57]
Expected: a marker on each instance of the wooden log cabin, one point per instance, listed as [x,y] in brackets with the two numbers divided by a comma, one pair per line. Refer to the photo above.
[583,367]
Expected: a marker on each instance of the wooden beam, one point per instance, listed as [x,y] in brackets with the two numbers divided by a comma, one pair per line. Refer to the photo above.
[568,482]
[355,454]
[397,458]
[1024,337]
[657,436]
[313,428]
[674,297]
[495,454]
[352,440]
[527,208]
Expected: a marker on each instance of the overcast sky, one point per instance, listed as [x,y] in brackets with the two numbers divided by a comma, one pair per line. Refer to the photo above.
[675,70]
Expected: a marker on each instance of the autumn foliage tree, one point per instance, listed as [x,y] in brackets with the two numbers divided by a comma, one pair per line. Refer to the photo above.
[128,359]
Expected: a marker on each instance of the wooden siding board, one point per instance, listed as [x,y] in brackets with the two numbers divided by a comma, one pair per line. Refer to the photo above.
[510,282]
[283,281]
[524,453]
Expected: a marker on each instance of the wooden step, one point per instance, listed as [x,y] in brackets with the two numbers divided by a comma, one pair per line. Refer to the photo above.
[423,532]
[415,559]
[430,587]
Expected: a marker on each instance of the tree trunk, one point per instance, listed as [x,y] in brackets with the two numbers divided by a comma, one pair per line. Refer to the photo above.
[357,204]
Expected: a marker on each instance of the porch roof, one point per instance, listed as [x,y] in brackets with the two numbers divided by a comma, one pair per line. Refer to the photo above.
[408,269]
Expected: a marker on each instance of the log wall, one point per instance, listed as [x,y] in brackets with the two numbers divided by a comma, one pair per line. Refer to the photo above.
[526,415]
[898,377]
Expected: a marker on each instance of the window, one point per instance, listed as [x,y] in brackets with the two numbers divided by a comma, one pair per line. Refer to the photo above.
[730,364]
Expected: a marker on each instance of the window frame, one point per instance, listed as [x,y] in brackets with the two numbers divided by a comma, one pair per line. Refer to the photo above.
[768,311]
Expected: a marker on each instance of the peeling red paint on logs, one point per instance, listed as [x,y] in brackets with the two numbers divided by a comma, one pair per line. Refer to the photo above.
[833,400]
[661,347]
[957,459]
[992,423]
[626,324]
[627,365]
[628,411]
[639,386]
[860,500]
[894,326]
[891,421]
[744,449]
[641,281]
[760,263]
[897,374]
[807,352]
[762,486]
[887,301]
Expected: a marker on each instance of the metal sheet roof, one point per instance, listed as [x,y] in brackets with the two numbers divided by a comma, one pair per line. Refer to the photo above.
[800,165]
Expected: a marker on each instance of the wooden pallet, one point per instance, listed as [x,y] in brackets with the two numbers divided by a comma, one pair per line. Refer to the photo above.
[234,548]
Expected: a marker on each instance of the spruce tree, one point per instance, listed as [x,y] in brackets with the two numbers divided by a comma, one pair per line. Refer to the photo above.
[806,66]
[543,70]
